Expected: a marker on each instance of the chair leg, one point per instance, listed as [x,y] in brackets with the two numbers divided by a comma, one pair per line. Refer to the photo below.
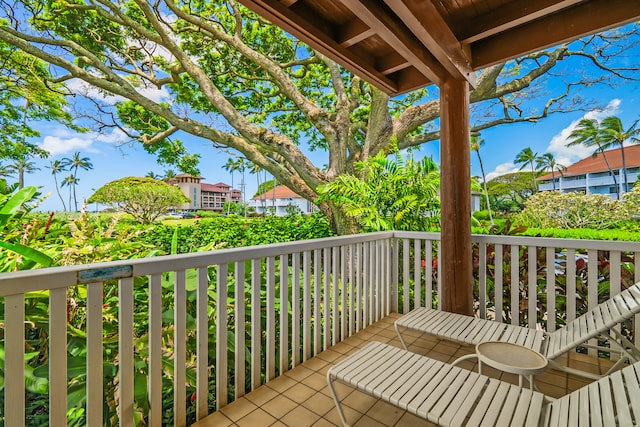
[337,401]
[404,344]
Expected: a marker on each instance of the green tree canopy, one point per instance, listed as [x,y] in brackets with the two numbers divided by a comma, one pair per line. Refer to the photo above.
[389,193]
[508,192]
[146,199]
[242,84]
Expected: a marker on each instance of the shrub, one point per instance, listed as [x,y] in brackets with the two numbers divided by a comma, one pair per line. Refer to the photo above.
[553,209]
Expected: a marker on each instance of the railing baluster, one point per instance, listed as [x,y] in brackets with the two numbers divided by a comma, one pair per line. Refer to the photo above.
[551,289]
[352,307]
[614,287]
[14,403]
[239,322]
[295,304]
[571,284]
[532,294]
[482,279]
[326,284]
[417,283]
[58,357]
[306,306]
[592,288]
[95,398]
[636,278]
[155,349]
[180,350]
[335,271]
[515,284]
[439,276]
[271,319]
[498,297]
[428,273]
[222,368]
[317,290]
[125,352]
[358,267]
[387,275]
[202,344]
[284,314]
[343,309]
[366,285]
[255,324]
[405,276]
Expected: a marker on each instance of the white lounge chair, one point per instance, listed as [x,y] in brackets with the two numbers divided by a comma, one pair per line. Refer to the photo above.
[600,321]
[449,395]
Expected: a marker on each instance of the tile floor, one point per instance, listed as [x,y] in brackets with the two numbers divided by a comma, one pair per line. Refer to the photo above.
[301,397]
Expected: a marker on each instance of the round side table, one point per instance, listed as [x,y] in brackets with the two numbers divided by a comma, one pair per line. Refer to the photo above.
[511,358]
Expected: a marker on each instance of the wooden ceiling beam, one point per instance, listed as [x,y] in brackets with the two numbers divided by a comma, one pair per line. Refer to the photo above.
[591,17]
[353,33]
[303,29]
[425,22]
[395,34]
[508,16]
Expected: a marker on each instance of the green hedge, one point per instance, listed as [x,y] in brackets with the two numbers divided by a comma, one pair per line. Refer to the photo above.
[234,231]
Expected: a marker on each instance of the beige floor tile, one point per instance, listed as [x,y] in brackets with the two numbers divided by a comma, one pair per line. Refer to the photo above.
[351,414]
[278,424]
[359,401]
[279,406]
[367,421]
[300,417]
[299,373]
[261,395]
[281,383]
[385,413]
[238,409]
[324,423]
[217,419]
[315,364]
[319,403]
[410,420]
[330,355]
[316,381]
[257,418]
[299,393]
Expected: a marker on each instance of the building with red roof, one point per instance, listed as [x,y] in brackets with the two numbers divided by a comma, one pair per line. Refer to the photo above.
[279,201]
[592,176]
[203,196]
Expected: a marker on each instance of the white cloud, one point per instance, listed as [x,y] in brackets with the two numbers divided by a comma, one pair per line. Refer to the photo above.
[55,145]
[149,91]
[62,141]
[502,169]
[558,145]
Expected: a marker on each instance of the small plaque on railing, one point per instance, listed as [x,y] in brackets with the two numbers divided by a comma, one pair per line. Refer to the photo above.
[105,273]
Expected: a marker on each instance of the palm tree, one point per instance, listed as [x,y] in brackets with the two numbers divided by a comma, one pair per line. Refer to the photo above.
[56,168]
[547,162]
[256,169]
[21,166]
[587,132]
[230,166]
[169,174]
[71,182]
[153,175]
[241,165]
[73,164]
[476,143]
[612,134]
[527,156]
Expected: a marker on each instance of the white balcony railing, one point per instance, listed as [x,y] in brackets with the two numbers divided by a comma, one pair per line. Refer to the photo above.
[156,340]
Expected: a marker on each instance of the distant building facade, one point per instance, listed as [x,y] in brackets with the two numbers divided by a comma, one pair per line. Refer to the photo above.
[202,196]
[276,201]
[591,175]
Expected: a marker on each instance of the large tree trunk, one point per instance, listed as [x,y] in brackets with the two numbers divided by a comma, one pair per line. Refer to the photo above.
[341,223]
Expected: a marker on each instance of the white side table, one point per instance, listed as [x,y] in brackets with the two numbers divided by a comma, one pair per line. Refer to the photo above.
[511,358]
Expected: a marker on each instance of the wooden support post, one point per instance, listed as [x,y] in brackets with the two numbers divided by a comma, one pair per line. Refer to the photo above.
[455,197]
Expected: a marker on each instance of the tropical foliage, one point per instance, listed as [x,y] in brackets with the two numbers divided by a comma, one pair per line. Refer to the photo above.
[389,193]
[244,85]
[145,199]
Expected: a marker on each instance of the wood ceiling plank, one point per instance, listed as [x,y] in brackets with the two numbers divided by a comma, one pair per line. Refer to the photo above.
[588,18]
[396,35]
[321,40]
[508,16]
[423,19]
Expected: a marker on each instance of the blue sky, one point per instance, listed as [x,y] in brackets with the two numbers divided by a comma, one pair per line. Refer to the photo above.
[112,160]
